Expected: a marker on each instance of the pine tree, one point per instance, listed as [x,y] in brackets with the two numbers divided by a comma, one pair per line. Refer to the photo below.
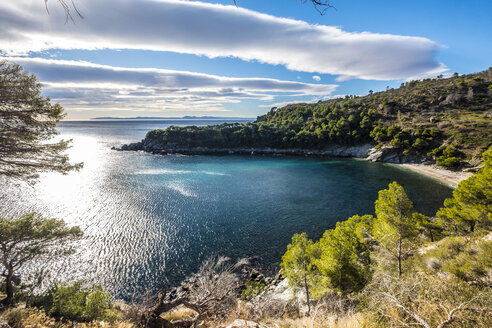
[27,123]
[27,238]
[345,256]
[431,227]
[471,203]
[395,227]
[298,264]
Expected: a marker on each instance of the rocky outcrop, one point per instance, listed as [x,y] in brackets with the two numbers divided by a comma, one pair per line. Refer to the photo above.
[365,151]
[359,151]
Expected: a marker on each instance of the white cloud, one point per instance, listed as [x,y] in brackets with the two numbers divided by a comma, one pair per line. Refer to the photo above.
[215,30]
[316,78]
[82,85]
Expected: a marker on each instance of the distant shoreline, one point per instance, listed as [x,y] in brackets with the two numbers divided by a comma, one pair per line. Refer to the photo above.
[143,118]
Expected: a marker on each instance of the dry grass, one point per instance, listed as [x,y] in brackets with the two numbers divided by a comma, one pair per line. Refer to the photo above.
[21,317]
[355,320]
[179,313]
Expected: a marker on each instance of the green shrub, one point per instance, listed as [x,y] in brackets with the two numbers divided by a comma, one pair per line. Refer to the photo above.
[76,303]
[449,156]
[253,289]
[449,161]
[465,260]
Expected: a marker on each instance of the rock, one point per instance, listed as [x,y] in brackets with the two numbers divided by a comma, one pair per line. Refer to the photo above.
[452,99]
[239,323]
[391,158]
[375,154]
[281,299]
[4,324]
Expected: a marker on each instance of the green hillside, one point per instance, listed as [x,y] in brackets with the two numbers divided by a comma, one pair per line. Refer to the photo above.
[442,119]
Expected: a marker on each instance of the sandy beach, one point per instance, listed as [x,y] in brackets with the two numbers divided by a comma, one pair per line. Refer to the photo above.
[452,178]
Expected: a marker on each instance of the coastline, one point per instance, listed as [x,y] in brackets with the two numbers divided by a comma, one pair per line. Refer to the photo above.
[451,178]
[364,152]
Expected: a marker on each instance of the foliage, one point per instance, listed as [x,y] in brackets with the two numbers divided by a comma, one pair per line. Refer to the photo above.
[31,237]
[395,227]
[345,261]
[432,118]
[431,227]
[299,264]
[76,303]
[33,317]
[471,203]
[448,156]
[460,257]
[252,289]
[27,122]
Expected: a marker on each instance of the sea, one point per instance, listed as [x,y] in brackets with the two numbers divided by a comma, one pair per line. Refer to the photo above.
[151,220]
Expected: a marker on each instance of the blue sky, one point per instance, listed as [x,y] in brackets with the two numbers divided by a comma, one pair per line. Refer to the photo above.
[173,58]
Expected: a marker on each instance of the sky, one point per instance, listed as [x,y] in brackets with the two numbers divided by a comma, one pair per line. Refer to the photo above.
[173,58]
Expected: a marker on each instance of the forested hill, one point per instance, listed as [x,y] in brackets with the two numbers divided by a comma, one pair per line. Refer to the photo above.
[444,119]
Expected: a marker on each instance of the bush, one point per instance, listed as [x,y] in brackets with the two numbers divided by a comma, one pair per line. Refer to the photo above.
[253,289]
[31,317]
[448,157]
[74,302]
[466,261]
[449,161]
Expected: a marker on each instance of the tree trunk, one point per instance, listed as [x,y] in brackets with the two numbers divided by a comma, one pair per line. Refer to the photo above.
[151,318]
[399,257]
[9,288]
[472,225]
[431,235]
[307,295]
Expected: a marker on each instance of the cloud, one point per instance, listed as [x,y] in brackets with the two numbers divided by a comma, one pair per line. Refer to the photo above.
[83,85]
[215,30]
[316,78]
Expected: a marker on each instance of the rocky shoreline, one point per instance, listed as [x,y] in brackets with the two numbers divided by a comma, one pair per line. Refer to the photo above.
[367,151]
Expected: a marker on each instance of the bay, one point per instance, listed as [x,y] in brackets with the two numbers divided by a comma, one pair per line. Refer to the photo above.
[150,220]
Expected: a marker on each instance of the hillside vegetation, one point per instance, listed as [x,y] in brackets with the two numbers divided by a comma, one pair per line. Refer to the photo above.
[447,120]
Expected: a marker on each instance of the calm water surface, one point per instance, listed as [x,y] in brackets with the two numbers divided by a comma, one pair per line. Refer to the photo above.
[150,220]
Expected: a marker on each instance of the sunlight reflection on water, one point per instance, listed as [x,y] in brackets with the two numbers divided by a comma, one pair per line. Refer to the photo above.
[150,220]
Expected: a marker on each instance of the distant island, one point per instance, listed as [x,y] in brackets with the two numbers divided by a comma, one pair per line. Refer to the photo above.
[173,118]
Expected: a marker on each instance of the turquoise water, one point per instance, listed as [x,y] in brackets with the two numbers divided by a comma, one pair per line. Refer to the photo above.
[150,220]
